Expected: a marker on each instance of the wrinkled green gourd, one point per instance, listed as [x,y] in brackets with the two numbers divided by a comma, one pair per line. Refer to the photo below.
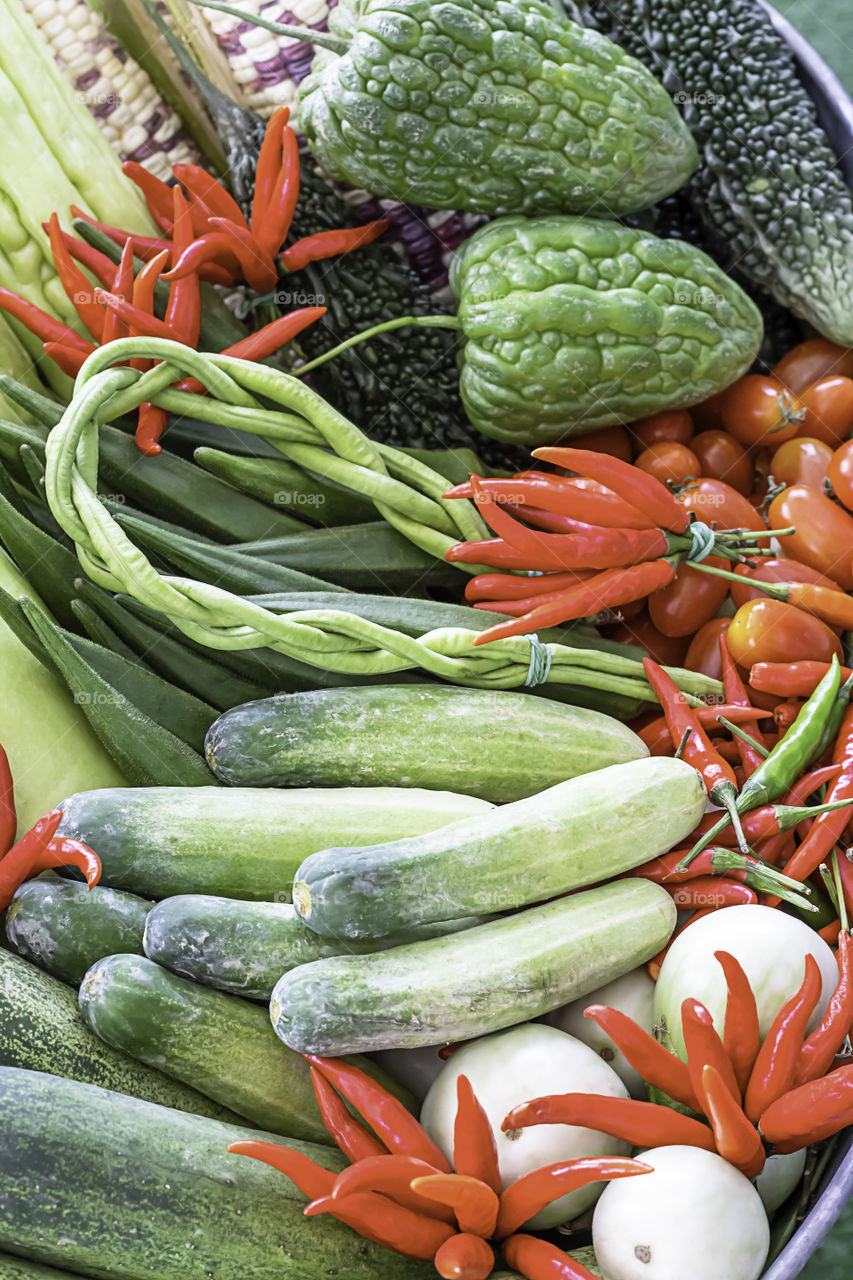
[494,106]
[572,324]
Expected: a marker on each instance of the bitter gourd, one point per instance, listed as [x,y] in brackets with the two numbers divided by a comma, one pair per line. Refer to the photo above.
[575,323]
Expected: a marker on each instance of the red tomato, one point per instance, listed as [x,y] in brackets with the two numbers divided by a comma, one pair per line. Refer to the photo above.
[612,440]
[721,457]
[823,534]
[760,410]
[714,500]
[829,410]
[641,631]
[704,652]
[675,425]
[802,460]
[709,413]
[775,569]
[811,360]
[668,460]
[840,474]
[770,631]
[689,601]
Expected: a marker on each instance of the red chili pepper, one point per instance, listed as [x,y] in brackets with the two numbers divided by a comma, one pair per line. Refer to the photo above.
[464,1257]
[777,846]
[380,1220]
[627,481]
[530,1193]
[139,323]
[264,342]
[40,323]
[328,244]
[643,1124]
[268,164]
[258,267]
[387,1116]
[705,1047]
[776,1064]
[646,1054]
[65,851]
[713,890]
[391,1176]
[271,227]
[147,247]
[157,194]
[18,863]
[75,283]
[101,267]
[536,1259]
[208,194]
[474,1150]
[791,679]
[474,1204]
[830,933]
[494,552]
[356,1142]
[735,691]
[8,813]
[150,425]
[311,1179]
[559,495]
[741,1036]
[183,310]
[143,294]
[212,249]
[737,1141]
[811,1112]
[658,739]
[819,1051]
[69,359]
[122,286]
[828,828]
[499,587]
[604,590]
[663,869]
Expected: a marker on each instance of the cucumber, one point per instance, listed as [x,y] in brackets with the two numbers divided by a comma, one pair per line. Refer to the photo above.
[20,1269]
[467,985]
[245,947]
[434,736]
[41,1029]
[118,1188]
[576,833]
[223,1045]
[236,842]
[63,927]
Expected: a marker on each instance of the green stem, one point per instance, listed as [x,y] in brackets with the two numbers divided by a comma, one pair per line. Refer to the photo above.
[725,793]
[839,888]
[778,590]
[762,877]
[738,732]
[423,322]
[829,884]
[321,38]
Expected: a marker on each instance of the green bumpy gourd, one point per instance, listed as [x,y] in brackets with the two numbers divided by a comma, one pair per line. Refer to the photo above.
[573,323]
[494,106]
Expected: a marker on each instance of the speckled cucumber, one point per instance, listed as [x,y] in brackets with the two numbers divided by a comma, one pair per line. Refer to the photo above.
[110,1186]
[576,833]
[22,1269]
[245,947]
[42,1029]
[64,927]
[241,843]
[224,1045]
[375,736]
[489,977]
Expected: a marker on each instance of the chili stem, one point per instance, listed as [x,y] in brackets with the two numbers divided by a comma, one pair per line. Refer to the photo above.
[830,886]
[762,878]
[839,888]
[737,732]
[321,38]
[423,322]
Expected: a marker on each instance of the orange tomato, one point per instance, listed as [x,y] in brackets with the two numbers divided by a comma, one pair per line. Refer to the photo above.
[690,600]
[775,569]
[668,460]
[704,651]
[641,631]
[672,424]
[840,474]
[770,631]
[721,457]
[829,410]
[823,536]
[803,460]
[714,500]
[811,360]
[709,413]
[612,440]
[760,410]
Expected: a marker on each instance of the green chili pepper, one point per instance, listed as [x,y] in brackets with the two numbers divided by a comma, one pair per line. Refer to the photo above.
[833,723]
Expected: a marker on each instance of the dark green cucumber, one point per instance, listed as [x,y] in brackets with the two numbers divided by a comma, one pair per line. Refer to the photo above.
[471,983]
[21,1269]
[236,842]
[576,833]
[45,410]
[64,927]
[245,947]
[224,1045]
[48,566]
[288,487]
[42,1029]
[122,1189]
[436,736]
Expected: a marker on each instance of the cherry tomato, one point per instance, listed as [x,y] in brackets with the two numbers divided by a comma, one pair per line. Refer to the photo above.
[693,597]
[770,631]
[714,500]
[675,425]
[612,440]
[709,413]
[829,410]
[641,631]
[840,474]
[760,410]
[761,461]
[668,460]
[775,569]
[811,360]
[721,457]
[704,652]
[802,460]
[823,534]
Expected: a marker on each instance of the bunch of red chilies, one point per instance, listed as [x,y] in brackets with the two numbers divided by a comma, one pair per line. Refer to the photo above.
[206,237]
[400,1190]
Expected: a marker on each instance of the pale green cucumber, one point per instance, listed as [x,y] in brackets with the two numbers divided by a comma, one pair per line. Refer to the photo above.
[576,833]
[240,843]
[122,1190]
[245,947]
[423,735]
[467,985]
[223,1045]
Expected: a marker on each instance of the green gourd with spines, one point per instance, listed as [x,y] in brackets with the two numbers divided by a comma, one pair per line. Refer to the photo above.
[574,323]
